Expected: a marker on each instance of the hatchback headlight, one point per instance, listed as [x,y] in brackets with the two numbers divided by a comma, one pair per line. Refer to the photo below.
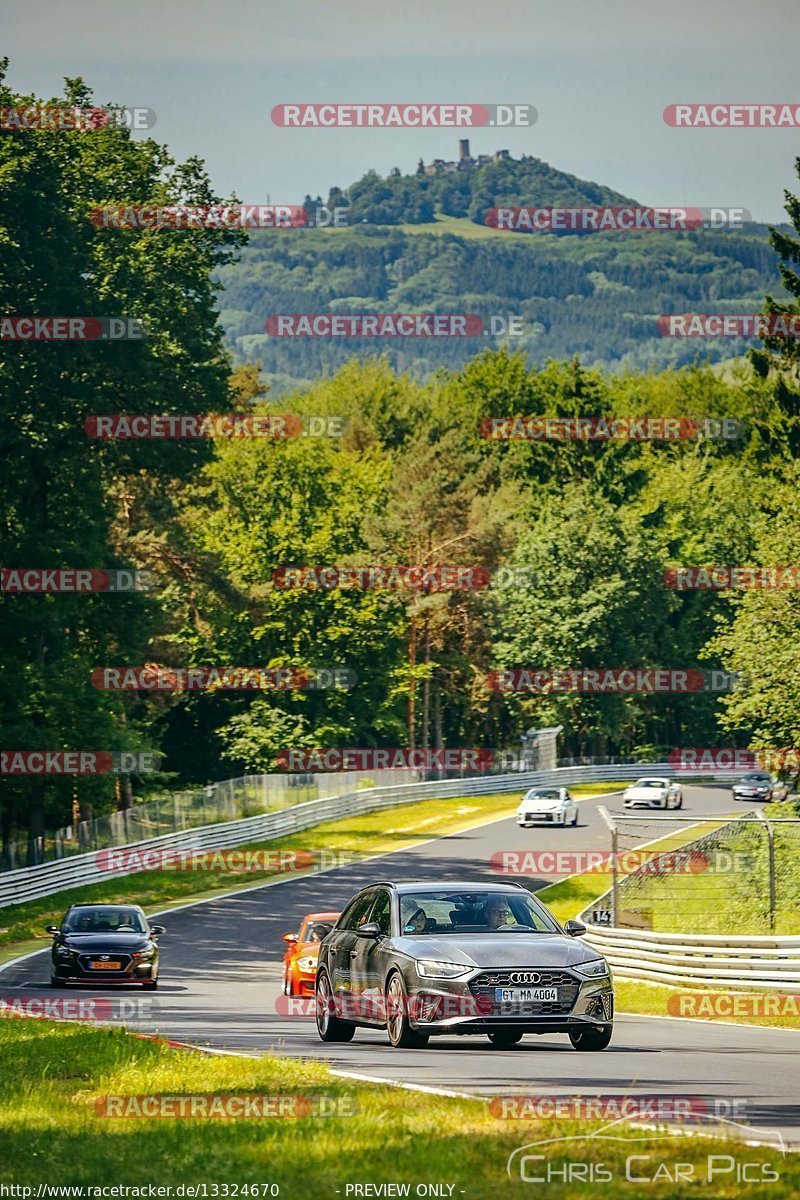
[307,963]
[594,969]
[64,951]
[436,968]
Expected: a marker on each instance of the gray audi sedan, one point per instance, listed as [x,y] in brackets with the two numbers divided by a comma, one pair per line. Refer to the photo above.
[461,958]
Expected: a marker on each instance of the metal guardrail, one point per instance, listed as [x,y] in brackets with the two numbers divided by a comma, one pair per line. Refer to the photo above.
[80,870]
[695,960]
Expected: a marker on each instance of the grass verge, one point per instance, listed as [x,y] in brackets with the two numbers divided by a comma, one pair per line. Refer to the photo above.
[742,1008]
[55,1075]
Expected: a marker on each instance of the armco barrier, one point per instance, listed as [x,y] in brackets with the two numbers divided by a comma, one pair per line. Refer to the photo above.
[701,960]
[33,883]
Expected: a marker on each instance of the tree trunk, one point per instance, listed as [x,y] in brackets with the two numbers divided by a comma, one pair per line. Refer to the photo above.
[412,683]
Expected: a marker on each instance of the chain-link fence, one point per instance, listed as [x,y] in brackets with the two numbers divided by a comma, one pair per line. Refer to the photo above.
[677,874]
[226,801]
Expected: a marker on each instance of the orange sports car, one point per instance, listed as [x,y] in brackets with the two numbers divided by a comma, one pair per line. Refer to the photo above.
[300,959]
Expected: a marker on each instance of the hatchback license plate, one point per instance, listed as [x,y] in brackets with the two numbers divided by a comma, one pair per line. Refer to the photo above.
[105,966]
[524,995]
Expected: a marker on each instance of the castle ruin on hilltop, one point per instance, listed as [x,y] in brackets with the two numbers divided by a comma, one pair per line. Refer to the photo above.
[465,161]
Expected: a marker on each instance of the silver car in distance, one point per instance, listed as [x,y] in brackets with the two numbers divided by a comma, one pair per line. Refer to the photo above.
[460,958]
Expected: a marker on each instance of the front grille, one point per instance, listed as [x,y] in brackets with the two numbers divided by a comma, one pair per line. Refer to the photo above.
[538,816]
[85,959]
[568,987]
[502,978]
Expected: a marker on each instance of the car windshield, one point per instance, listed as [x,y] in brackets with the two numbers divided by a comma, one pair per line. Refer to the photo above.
[104,920]
[447,912]
[653,783]
[545,794]
[756,778]
[315,931]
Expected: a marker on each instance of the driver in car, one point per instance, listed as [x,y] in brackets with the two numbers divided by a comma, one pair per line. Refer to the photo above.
[497,913]
[417,922]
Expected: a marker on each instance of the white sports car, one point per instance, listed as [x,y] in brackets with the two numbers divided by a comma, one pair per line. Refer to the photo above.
[547,806]
[653,793]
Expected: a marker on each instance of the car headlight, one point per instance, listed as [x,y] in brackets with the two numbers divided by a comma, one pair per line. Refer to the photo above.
[436,968]
[64,951]
[144,955]
[308,962]
[594,969]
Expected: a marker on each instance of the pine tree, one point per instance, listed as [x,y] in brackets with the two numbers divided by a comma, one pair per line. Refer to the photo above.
[780,356]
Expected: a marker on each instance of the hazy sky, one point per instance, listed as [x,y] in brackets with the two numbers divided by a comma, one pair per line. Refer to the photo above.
[599,72]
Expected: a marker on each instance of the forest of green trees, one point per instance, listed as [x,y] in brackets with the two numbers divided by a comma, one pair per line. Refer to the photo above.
[409,480]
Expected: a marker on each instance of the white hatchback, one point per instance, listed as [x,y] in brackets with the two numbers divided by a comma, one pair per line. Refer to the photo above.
[547,806]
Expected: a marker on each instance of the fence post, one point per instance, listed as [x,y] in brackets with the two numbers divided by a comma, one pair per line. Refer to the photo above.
[771,867]
[611,824]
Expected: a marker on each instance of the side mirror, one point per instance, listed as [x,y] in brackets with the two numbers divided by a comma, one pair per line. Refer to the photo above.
[574,928]
[156,929]
[291,938]
[371,930]
[52,929]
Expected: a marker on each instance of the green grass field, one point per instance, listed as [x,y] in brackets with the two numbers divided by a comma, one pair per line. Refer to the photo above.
[56,1075]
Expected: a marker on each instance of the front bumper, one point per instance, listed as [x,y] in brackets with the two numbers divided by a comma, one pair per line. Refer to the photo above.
[303,985]
[543,818]
[468,1006]
[661,802]
[74,970]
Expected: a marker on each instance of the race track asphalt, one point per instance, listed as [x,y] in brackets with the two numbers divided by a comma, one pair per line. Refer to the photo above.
[221,971]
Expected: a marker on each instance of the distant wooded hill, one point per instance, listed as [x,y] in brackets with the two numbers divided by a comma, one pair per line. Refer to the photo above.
[420,243]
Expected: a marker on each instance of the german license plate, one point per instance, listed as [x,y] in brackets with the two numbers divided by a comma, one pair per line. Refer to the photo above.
[525,995]
[105,966]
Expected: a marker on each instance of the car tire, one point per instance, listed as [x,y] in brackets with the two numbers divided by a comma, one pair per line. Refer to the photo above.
[680,801]
[575,818]
[398,1027]
[591,1039]
[56,982]
[150,985]
[330,1027]
[503,1039]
